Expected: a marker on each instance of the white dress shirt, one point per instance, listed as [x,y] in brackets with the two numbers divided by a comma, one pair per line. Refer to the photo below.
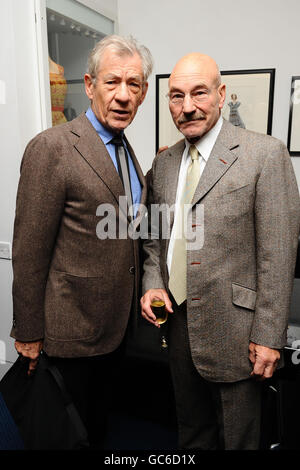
[204,146]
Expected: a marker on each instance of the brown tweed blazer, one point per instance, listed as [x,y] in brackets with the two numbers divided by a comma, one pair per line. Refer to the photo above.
[71,288]
[239,283]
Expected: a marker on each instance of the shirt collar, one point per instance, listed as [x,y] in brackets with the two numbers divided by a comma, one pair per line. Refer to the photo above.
[205,144]
[105,134]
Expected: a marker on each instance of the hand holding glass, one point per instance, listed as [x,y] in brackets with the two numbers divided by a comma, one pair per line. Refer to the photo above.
[158,307]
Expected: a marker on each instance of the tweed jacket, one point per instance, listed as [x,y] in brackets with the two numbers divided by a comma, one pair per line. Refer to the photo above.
[239,281]
[71,288]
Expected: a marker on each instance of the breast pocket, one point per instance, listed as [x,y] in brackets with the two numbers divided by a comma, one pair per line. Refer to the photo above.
[73,306]
[243,296]
[237,201]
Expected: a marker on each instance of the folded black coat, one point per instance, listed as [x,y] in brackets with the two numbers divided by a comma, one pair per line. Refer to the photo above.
[41,409]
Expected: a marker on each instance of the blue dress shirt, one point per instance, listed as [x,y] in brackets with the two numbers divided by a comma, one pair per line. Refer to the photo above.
[106,137]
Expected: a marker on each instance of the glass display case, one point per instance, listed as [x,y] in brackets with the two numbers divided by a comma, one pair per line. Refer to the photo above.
[72,31]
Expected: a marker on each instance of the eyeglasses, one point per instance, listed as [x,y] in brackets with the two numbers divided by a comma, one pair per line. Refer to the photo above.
[198,97]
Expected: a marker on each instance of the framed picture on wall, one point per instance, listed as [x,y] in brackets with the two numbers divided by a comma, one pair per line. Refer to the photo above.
[166,132]
[249,98]
[249,103]
[294,120]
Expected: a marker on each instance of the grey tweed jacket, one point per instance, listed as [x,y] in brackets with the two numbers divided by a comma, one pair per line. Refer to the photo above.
[239,282]
[70,288]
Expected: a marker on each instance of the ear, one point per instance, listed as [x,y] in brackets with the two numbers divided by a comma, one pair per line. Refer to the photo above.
[222,95]
[89,87]
[144,92]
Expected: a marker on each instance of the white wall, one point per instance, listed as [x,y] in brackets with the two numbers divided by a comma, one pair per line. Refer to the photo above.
[238,34]
[107,8]
[20,120]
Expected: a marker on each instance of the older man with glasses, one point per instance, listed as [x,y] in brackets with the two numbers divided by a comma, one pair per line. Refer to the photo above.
[228,294]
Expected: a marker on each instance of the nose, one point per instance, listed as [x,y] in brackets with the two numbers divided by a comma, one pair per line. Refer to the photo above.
[188,105]
[122,93]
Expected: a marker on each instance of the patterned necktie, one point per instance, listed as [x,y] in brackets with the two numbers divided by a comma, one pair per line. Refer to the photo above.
[177,279]
[123,169]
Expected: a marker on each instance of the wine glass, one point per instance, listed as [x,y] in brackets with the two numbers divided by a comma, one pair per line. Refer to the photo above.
[158,307]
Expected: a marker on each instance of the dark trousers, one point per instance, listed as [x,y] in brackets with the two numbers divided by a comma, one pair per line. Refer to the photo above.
[89,382]
[210,415]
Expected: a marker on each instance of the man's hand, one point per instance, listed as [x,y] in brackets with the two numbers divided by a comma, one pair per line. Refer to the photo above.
[264,360]
[146,300]
[31,350]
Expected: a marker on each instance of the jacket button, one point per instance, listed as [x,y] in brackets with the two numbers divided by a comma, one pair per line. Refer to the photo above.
[132,269]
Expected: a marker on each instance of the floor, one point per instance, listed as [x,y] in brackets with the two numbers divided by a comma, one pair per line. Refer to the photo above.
[143,415]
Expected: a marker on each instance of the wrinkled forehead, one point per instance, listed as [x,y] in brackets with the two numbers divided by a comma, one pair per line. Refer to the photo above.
[191,79]
[195,68]
[112,59]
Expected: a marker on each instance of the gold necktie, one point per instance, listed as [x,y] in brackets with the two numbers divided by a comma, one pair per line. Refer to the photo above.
[177,279]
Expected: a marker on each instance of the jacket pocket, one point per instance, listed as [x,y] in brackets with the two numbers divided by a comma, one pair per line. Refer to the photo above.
[235,189]
[243,296]
[74,306]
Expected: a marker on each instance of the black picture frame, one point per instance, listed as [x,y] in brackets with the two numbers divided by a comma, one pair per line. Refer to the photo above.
[293,140]
[247,83]
[260,82]
[160,80]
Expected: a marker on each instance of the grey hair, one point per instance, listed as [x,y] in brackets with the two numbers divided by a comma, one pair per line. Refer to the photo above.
[122,46]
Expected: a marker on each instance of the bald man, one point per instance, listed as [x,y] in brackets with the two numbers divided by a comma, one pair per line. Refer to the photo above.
[226,278]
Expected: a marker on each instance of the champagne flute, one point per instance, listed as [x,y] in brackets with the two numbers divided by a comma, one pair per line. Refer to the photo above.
[158,307]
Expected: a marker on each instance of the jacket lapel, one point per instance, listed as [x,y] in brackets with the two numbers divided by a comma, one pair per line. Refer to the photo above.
[142,206]
[219,162]
[171,181]
[93,150]
[172,175]
[139,172]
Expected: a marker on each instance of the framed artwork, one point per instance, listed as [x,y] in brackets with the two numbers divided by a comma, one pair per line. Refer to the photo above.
[249,98]
[294,120]
[249,103]
[166,131]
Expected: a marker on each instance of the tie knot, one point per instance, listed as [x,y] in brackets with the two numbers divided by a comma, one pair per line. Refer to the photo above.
[194,152]
[117,140]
